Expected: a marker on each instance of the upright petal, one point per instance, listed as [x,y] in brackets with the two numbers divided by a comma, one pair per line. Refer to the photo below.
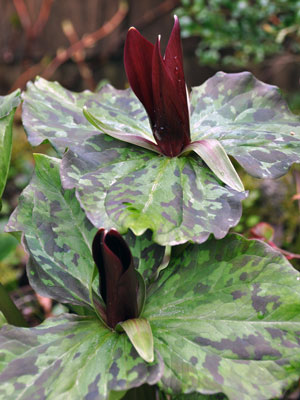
[171,126]
[173,61]
[138,66]
[118,282]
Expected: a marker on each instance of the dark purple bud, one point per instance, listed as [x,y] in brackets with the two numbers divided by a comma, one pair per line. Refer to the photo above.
[118,281]
[159,84]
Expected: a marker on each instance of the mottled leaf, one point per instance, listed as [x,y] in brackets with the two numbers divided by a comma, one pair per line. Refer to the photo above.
[225,317]
[124,186]
[250,119]
[70,357]
[51,112]
[8,105]
[58,238]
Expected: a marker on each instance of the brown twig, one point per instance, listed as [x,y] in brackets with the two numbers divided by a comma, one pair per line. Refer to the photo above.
[42,18]
[79,56]
[87,40]
[23,15]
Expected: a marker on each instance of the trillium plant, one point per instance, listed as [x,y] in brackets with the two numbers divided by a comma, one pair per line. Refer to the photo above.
[128,228]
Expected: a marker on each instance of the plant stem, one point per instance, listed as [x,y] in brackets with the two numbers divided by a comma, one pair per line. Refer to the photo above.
[10,311]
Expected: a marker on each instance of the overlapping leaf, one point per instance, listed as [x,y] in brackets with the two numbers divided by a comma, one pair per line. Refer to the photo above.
[53,113]
[70,357]
[225,317]
[123,186]
[250,119]
[58,238]
[8,105]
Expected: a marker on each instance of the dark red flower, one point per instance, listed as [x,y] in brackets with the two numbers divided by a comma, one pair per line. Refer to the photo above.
[118,281]
[159,84]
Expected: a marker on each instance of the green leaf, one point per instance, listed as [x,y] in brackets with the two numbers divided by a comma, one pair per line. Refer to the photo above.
[124,136]
[8,105]
[213,154]
[139,332]
[250,119]
[57,235]
[70,357]
[58,238]
[225,317]
[51,112]
[124,186]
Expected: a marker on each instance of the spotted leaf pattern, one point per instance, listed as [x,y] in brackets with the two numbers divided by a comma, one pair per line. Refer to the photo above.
[121,186]
[225,317]
[58,238]
[251,120]
[70,357]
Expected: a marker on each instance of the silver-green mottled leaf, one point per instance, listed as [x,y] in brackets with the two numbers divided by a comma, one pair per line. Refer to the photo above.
[124,186]
[250,119]
[8,105]
[58,238]
[70,357]
[225,317]
[51,112]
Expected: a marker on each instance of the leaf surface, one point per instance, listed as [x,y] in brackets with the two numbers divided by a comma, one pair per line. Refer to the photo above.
[70,357]
[251,120]
[124,186]
[8,105]
[51,112]
[58,238]
[225,317]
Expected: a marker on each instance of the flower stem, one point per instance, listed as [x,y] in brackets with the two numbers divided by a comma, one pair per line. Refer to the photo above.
[10,311]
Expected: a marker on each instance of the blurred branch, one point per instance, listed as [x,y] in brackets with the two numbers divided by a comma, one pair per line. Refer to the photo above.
[79,56]
[23,15]
[42,18]
[88,40]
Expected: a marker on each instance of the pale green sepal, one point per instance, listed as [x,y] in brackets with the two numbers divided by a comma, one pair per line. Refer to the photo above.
[213,154]
[139,333]
[120,135]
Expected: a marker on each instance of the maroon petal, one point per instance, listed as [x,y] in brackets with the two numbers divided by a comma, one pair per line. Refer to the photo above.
[171,124]
[138,66]
[118,282]
[173,61]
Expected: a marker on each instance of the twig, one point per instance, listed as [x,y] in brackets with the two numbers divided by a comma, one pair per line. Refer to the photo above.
[79,56]
[87,40]
[23,15]
[42,18]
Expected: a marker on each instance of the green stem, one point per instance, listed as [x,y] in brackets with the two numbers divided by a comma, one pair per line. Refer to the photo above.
[10,311]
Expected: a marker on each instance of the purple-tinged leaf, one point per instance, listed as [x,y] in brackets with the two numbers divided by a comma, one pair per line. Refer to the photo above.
[124,136]
[251,120]
[71,357]
[213,154]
